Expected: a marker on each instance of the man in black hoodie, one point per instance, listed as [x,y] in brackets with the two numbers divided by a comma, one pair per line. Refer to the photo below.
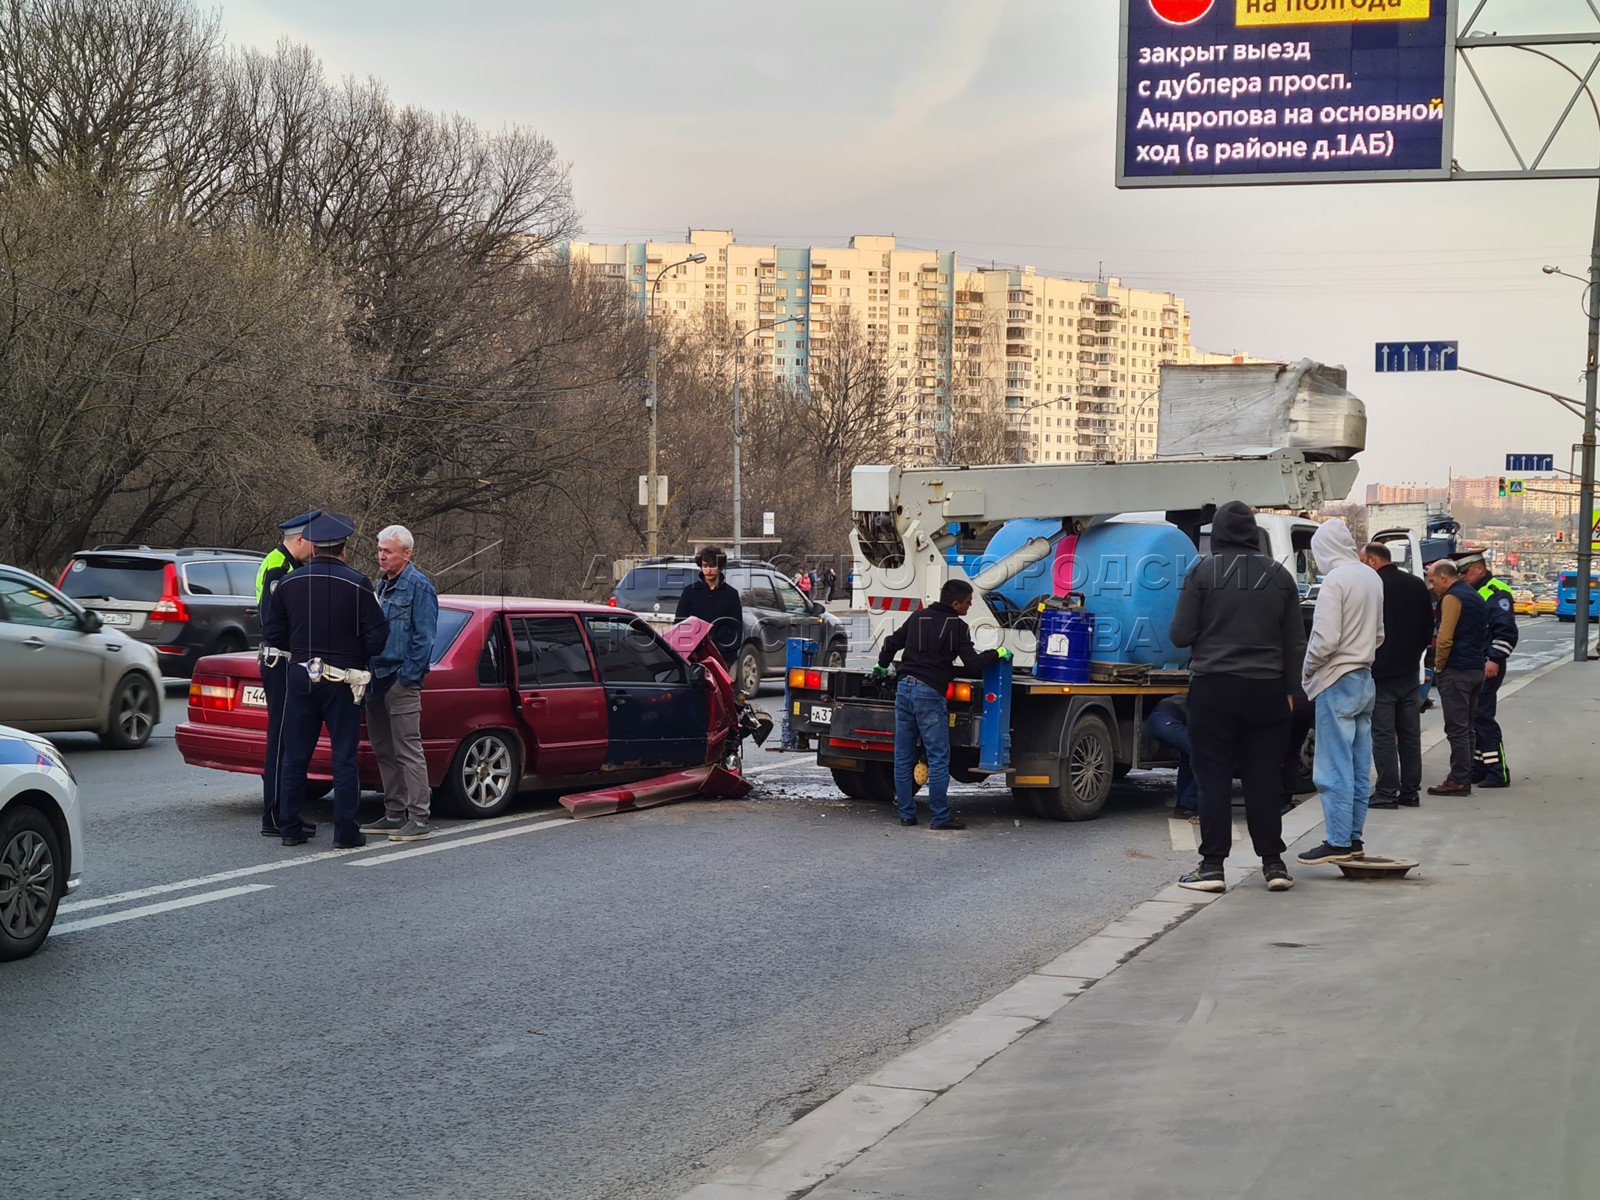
[1239,612]
[1397,716]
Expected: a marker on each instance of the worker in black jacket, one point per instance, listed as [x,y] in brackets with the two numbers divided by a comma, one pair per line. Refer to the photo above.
[932,639]
[1397,714]
[716,601]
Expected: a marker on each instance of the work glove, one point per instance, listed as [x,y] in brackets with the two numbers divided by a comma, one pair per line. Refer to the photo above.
[879,674]
[1003,654]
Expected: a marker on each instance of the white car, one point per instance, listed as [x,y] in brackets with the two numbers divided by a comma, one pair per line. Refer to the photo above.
[41,839]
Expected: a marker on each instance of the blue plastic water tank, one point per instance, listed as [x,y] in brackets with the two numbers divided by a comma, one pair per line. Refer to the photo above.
[1066,645]
[1129,575]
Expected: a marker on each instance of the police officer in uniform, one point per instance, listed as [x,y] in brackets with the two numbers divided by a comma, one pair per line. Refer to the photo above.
[1489,767]
[292,550]
[326,616]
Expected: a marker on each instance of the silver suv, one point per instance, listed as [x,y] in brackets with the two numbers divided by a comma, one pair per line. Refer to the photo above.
[62,670]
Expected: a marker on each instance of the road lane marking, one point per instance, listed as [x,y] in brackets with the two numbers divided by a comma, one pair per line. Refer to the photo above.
[150,910]
[382,847]
[797,762]
[459,842]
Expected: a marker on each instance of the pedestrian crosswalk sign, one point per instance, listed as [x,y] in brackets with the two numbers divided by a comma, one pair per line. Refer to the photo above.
[1513,487]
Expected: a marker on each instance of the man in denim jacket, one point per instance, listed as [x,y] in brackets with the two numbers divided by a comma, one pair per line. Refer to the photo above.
[394,701]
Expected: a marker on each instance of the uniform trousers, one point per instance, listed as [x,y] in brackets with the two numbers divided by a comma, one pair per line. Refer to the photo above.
[1488,743]
[310,707]
[273,680]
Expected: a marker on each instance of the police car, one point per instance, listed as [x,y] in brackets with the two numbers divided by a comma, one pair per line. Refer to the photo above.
[41,839]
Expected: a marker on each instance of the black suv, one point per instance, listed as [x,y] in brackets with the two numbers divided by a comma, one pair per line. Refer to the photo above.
[186,603]
[774,611]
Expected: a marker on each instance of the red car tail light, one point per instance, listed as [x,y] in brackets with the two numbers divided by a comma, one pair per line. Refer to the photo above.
[169,608]
[209,692]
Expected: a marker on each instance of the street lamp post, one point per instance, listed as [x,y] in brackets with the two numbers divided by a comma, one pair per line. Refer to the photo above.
[738,430]
[653,511]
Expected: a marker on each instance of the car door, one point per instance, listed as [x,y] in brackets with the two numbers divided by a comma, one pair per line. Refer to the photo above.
[803,623]
[656,717]
[53,670]
[760,599]
[559,700]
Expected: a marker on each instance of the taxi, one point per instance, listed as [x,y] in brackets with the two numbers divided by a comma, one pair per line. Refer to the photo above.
[1545,603]
[1525,604]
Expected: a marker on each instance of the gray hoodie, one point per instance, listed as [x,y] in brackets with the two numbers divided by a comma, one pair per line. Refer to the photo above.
[1348,626]
[1239,611]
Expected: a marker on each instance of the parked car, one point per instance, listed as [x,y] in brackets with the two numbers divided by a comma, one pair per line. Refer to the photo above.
[522,695]
[186,603]
[41,840]
[774,612]
[62,670]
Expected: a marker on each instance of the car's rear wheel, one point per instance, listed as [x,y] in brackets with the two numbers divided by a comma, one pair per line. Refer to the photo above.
[231,643]
[30,880]
[484,775]
[747,673]
[132,714]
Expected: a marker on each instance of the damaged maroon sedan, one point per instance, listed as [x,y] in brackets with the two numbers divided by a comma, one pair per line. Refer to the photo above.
[528,695]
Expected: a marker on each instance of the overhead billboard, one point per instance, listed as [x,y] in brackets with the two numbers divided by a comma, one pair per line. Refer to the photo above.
[1222,92]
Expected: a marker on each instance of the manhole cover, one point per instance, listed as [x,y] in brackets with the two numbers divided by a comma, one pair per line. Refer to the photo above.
[1375,866]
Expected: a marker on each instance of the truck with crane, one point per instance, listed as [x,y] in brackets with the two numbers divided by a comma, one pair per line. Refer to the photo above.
[1121,535]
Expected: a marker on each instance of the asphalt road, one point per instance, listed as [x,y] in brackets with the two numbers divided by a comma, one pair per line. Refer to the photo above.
[531,1007]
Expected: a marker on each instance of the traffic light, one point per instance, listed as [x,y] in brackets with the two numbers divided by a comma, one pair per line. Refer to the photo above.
[1502,487]
[1560,537]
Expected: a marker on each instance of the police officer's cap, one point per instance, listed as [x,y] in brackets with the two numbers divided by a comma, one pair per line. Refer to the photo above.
[296,525]
[329,529]
[1466,558]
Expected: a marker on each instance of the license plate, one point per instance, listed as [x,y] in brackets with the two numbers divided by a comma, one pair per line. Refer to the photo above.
[116,618]
[253,697]
[821,714]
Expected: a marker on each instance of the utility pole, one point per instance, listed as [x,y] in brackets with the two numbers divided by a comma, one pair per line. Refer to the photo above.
[1580,619]
[652,509]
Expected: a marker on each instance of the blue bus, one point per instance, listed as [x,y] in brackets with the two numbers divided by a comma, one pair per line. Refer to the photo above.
[1567,596]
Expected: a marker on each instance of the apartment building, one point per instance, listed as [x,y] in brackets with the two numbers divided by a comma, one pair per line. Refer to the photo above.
[1071,367]
[1405,493]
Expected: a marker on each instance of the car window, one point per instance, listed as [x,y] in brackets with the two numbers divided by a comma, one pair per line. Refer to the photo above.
[28,604]
[550,652]
[242,577]
[758,593]
[629,652]
[791,599]
[647,587]
[207,579]
[107,578]
[451,622]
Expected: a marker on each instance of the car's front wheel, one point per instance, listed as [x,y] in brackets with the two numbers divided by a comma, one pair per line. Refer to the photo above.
[747,673]
[836,654]
[132,714]
[484,775]
[30,880]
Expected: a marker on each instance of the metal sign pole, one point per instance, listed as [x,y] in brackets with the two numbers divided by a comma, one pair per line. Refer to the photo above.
[1580,618]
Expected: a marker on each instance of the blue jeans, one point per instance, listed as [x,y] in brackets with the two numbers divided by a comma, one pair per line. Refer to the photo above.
[1343,770]
[1170,731]
[921,714]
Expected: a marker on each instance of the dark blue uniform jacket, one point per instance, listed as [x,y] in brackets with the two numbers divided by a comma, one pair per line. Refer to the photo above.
[325,610]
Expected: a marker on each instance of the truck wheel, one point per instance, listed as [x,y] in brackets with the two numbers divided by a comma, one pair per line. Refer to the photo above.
[851,783]
[968,774]
[880,782]
[1085,773]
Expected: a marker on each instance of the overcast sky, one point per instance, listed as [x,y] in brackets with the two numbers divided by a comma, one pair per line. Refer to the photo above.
[988,127]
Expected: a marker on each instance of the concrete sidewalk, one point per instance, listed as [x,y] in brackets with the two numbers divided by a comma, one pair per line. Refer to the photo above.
[1435,1037]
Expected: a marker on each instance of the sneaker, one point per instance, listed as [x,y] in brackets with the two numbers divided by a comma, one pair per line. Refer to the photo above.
[1277,876]
[384,824]
[1357,850]
[952,823]
[1204,879]
[1450,788]
[412,831]
[361,840]
[1326,853]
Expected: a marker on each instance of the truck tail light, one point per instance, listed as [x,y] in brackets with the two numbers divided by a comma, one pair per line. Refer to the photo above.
[799,677]
[169,608]
[958,691]
[210,693]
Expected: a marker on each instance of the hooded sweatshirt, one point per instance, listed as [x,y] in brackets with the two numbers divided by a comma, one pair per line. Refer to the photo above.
[1348,626]
[1239,611]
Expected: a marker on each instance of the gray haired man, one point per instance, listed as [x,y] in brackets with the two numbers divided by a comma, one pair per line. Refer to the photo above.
[394,701]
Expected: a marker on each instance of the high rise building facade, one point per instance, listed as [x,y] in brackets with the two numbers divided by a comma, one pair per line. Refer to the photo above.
[1067,369]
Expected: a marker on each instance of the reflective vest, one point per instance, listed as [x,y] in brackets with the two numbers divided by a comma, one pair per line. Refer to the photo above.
[1502,604]
[273,568]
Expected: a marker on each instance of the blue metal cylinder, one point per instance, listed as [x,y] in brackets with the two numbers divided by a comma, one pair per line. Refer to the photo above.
[1066,643]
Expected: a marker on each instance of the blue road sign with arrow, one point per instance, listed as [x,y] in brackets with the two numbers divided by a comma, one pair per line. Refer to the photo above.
[1416,356]
[1530,462]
